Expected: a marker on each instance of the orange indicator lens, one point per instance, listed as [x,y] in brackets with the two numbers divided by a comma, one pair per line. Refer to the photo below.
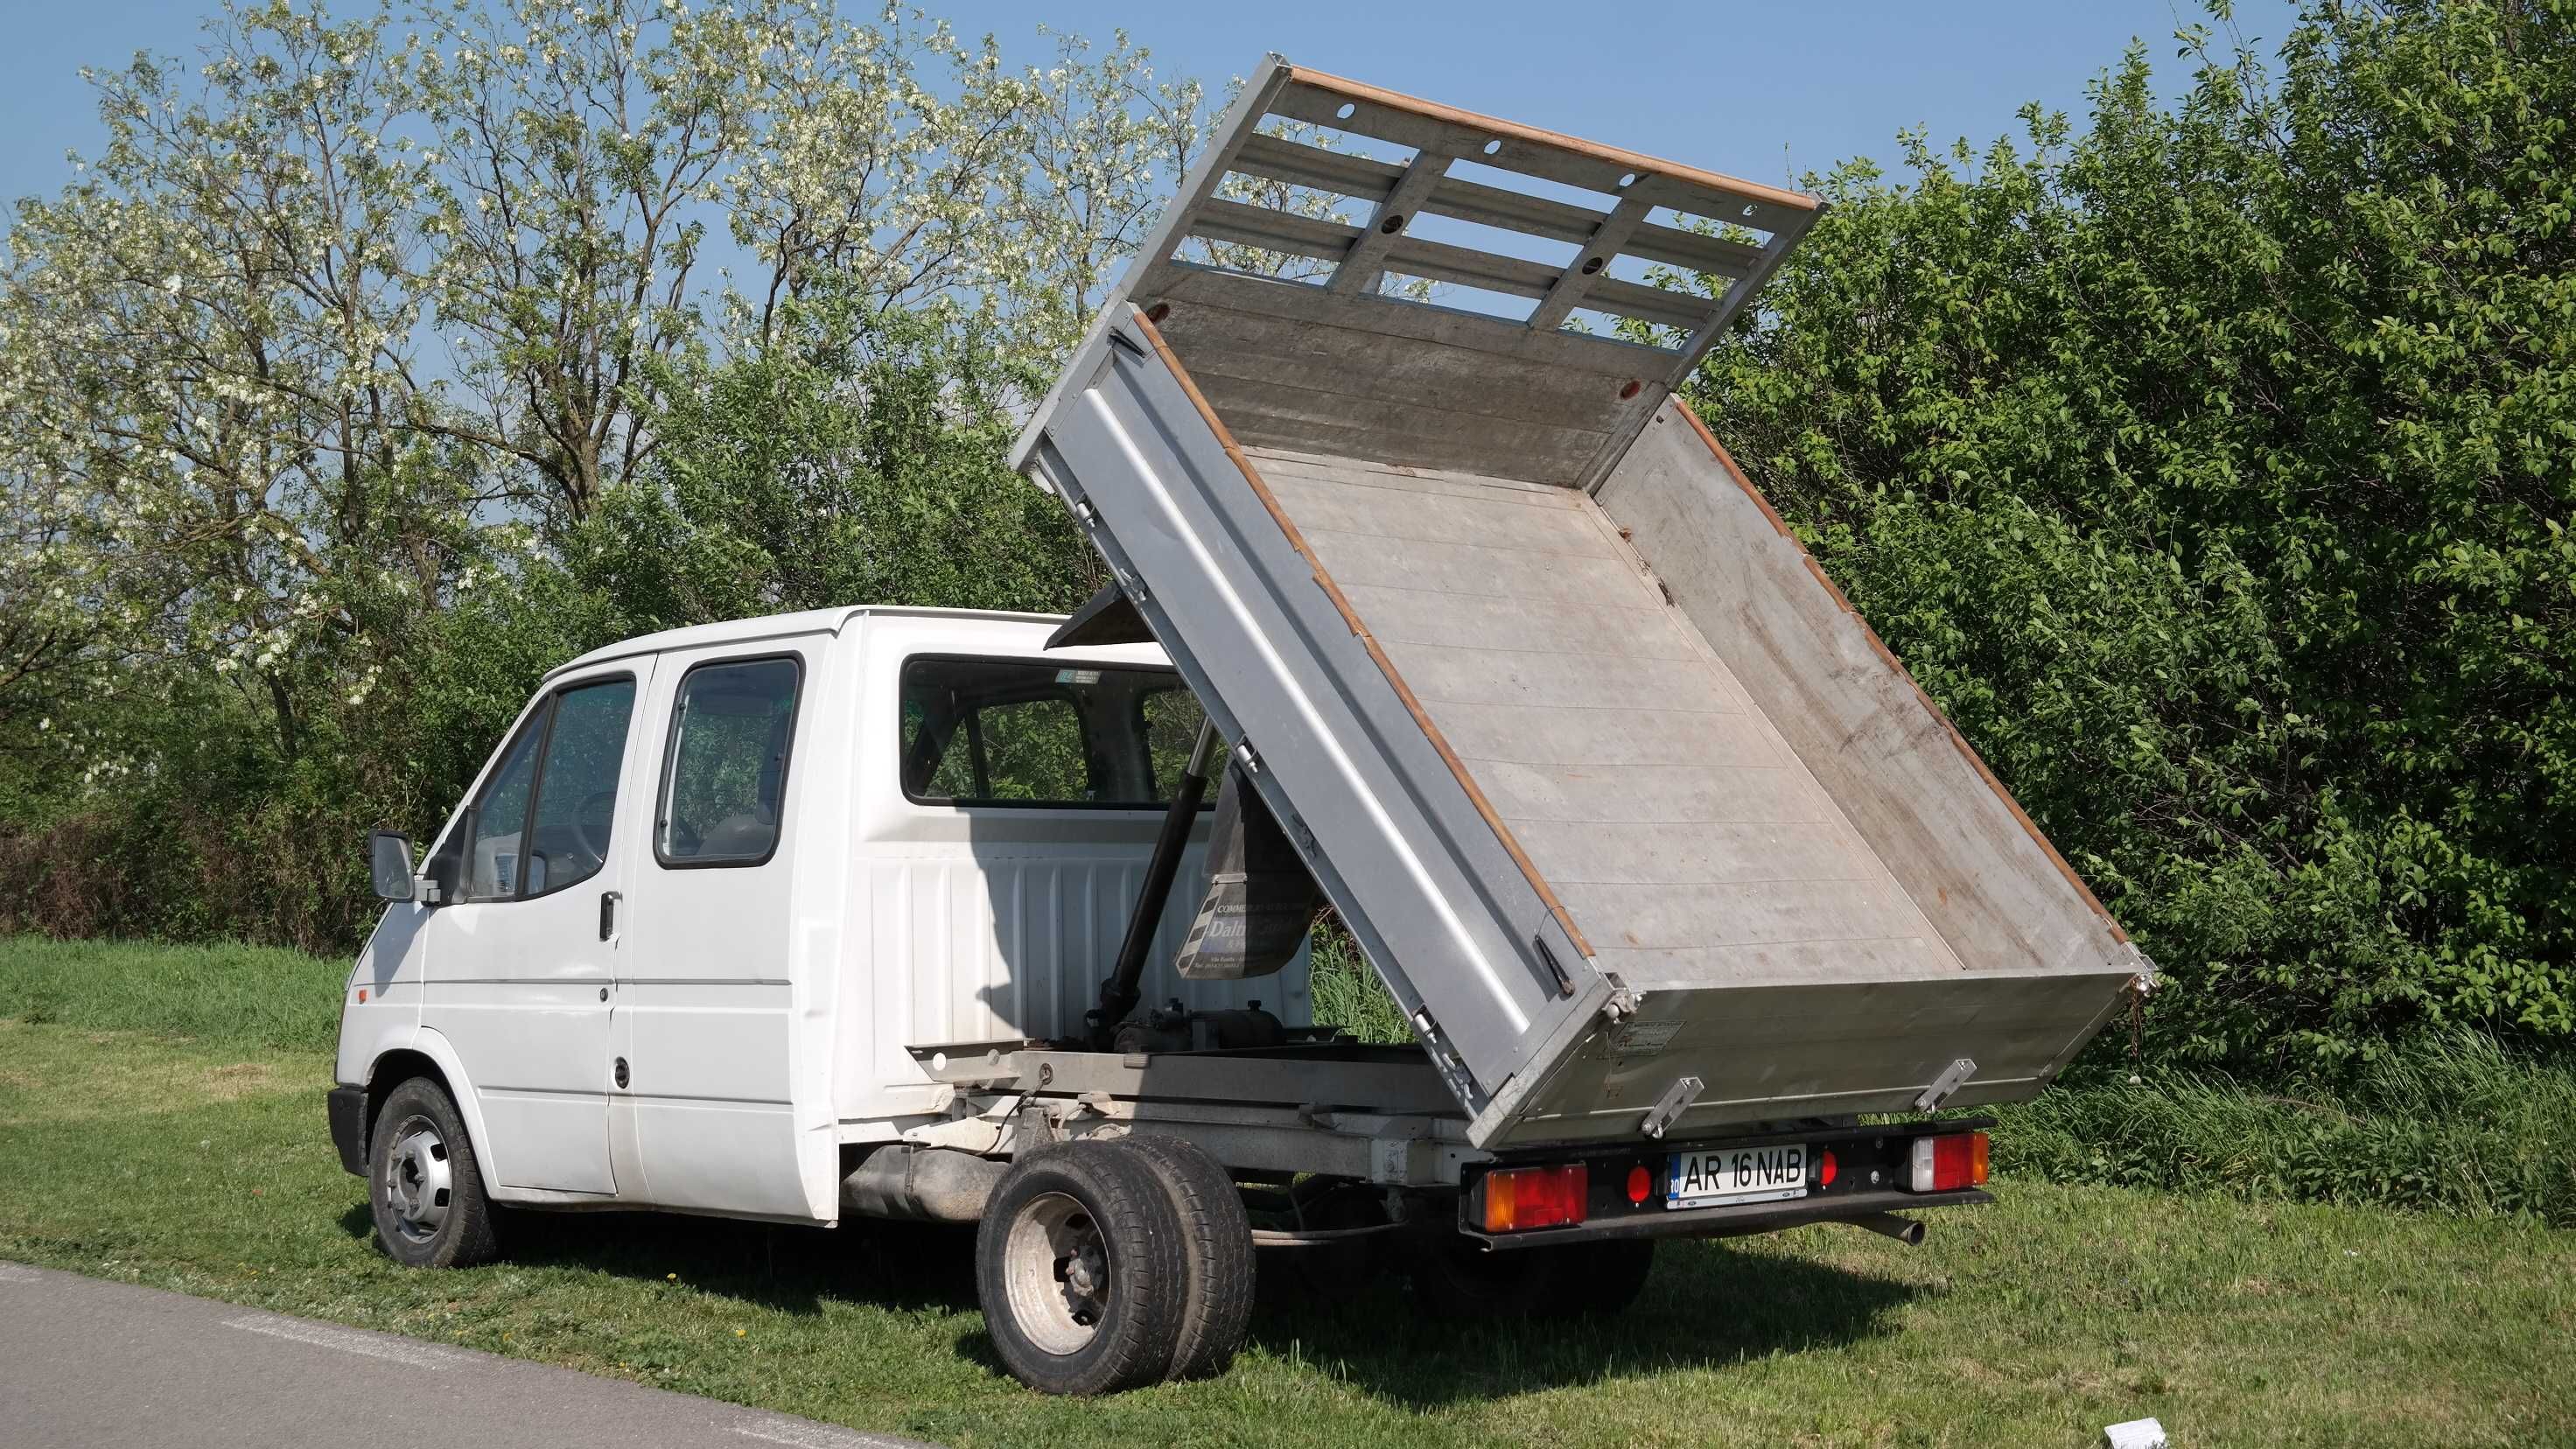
[1522,1198]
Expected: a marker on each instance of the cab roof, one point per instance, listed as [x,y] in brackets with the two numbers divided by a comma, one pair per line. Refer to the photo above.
[808,621]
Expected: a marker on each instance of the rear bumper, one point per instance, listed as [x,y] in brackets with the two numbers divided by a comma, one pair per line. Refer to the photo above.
[1738,1220]
[1868,1169]
[348,1111]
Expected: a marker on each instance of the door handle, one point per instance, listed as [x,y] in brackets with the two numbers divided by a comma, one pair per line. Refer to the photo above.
[607,914]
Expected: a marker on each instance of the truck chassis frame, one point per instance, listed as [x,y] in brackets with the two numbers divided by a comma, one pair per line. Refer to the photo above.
[1370,1114]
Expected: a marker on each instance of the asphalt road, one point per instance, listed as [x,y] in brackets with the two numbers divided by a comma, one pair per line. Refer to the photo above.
[87,1363]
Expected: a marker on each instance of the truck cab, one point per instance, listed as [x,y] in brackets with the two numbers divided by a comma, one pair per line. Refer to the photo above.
[670,949]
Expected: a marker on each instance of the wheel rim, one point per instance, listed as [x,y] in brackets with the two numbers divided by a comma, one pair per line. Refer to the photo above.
[419,1183]
[1057,1272]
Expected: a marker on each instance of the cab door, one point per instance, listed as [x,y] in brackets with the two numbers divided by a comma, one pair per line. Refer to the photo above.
[525,941]
[708,1020]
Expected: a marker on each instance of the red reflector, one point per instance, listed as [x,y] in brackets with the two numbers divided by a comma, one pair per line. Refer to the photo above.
[1534,1197]
[362,996]
[1641,1183]
[1825,1170]
[1947,1164]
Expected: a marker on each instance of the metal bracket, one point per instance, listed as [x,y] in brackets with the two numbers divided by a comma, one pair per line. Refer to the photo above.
[1943,1085]
[1622,1003]
[1033,1130]
[1676,1100]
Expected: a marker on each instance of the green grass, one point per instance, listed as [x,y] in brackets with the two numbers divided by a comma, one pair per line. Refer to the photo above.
[1346,992]
[255,995]
[198,1161]
[2455,1123]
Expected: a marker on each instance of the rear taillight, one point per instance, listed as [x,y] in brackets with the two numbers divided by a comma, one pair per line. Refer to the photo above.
[1947,1164]
[1520,1198]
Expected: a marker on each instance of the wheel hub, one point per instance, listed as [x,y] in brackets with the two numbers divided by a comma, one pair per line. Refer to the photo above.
[1057,1274]
[418,1181]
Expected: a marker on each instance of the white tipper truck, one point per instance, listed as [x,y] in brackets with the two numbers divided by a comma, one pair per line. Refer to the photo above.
[1694,902]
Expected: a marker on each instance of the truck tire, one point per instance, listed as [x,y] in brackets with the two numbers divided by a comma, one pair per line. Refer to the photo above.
[1460,1280]
[1598,1280]
[1457,1278]
[1079,1268]
[1216,1251]
[1334,1271]
[423,1184]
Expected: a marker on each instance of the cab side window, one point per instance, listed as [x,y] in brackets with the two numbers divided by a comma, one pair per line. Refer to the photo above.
[542,821]
[724,777]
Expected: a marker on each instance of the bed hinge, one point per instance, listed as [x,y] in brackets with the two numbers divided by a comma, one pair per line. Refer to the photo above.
[1950,1080]
[1676,1100]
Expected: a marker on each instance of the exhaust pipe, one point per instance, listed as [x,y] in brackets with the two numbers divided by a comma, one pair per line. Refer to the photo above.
[1908,1231]
[924,1184]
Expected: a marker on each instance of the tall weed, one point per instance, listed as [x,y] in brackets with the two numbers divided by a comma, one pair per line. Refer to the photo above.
[2447,1121]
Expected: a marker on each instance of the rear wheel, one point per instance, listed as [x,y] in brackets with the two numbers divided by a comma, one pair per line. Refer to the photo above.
[1456,1277]
[1602,1279]
[1330,1270]
[1216,1249]
[1079,1266]
[423,1183]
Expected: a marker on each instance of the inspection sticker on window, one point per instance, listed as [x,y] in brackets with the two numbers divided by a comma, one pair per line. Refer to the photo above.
[1077,676]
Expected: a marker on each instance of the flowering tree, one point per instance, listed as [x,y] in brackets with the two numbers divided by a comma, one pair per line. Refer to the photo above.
[367,311]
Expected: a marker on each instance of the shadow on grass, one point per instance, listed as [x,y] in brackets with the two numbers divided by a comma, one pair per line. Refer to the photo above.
[783,1267]
[1706,1305]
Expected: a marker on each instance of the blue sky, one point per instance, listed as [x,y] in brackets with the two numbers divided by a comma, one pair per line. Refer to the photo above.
[1761,90]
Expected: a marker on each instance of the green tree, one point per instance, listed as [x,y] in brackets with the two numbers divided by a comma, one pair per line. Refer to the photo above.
[857,459]
[315,380]
[2213,468]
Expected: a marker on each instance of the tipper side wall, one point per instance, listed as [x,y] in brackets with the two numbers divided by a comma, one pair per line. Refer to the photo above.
[1637,819]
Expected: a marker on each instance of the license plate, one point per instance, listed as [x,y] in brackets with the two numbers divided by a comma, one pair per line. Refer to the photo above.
[1735,1174]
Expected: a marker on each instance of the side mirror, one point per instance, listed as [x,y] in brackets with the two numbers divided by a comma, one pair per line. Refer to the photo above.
[389,865]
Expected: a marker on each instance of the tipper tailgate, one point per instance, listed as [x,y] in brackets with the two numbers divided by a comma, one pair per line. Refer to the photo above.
[1621,799]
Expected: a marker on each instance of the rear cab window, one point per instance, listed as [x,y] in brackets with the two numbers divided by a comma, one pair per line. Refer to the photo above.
[1043,735]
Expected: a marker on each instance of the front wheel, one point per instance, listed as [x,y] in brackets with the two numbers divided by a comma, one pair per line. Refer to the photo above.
[424,1185]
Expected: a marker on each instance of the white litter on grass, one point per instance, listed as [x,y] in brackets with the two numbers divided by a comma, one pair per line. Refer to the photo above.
[350,1340]
[2135,1434]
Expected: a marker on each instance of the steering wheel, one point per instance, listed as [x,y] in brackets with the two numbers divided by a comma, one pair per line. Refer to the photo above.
[590,823]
